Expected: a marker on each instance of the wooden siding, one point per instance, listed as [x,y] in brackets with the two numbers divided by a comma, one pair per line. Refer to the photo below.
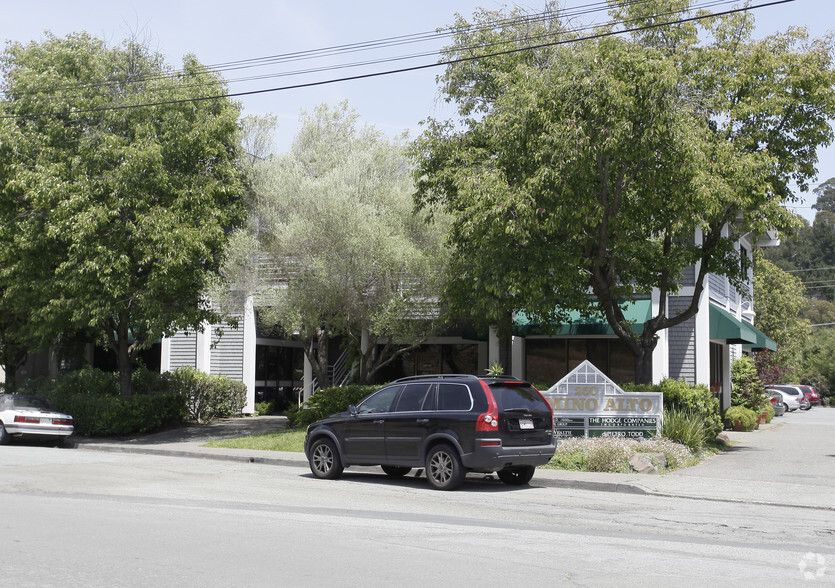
[228,352]
[183,350]
[682,343]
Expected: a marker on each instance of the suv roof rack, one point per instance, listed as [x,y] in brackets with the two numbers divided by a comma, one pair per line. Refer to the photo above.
[438,377]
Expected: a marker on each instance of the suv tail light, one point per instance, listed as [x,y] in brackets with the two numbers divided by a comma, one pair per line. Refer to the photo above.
[488,421]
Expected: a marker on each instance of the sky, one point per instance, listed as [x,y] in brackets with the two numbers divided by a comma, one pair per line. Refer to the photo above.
[220,32]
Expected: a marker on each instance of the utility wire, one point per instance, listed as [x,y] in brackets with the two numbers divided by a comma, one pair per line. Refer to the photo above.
[441,33]
[564,14]
[813,269]
[698,17]
[345,49]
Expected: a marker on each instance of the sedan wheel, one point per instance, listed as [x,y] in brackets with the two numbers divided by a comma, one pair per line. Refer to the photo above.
[324,460]
[517,476]
[444,469]
[5,438]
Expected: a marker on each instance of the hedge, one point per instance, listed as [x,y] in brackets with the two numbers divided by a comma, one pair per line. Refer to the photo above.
[327,402]
[93,399]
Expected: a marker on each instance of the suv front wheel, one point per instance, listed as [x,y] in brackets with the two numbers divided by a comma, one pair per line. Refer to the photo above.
[324,459]
[444,469]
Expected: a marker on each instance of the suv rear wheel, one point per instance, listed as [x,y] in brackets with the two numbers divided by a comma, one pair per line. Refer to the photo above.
[444,469]
[517,476]
[324,460]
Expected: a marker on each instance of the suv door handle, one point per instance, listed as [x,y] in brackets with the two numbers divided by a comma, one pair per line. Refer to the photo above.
[422,421]
[379,421]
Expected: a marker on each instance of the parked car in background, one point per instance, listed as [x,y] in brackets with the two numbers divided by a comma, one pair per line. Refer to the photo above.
[24,416]
[811,395]
[445,424]
[792,401]
[777,403]
[796,392]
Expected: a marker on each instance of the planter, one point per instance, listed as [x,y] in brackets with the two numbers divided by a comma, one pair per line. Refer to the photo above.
[763,418]
[737,426]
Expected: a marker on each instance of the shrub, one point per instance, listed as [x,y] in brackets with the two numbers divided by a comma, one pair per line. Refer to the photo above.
[743,416]
[86,381]
[93,399]
[679,395]
[609,457]
[769,410]
[696,400]
[685,427]
[327,402]
[266,407]
[611,454]
[206,396]
[746,387]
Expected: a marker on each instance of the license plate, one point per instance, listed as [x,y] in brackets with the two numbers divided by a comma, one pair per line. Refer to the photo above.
[46,421]
[525,424]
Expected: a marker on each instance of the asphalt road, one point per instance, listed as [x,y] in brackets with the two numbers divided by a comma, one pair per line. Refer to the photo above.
[113,518]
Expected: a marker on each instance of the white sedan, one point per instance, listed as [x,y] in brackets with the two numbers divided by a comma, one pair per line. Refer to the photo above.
[31,416]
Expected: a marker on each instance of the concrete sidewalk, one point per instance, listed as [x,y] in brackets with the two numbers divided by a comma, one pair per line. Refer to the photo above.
[789,462]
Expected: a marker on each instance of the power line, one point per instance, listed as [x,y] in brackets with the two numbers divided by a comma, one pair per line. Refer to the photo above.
[698,17]
[539,17]
[338,50]
[813,269]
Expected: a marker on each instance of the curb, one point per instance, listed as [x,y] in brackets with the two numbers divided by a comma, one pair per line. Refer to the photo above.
[301,463]
[278,461]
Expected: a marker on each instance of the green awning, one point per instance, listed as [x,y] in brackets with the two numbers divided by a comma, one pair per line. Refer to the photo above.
[726,327]
[763,341]
[637,312]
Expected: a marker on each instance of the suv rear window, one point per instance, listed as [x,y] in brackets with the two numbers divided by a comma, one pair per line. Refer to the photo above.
[509,397]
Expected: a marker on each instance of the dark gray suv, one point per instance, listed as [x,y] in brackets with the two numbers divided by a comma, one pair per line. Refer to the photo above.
[447,424]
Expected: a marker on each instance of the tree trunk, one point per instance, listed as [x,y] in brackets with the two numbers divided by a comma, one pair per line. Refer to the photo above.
[643,358]
[11,378]
[117,335]
[14,357]
[320,359]
[125,363]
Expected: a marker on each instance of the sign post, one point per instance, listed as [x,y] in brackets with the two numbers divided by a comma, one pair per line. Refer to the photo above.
[588,404]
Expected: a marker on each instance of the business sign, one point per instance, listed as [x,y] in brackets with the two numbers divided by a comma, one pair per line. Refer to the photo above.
[588,404]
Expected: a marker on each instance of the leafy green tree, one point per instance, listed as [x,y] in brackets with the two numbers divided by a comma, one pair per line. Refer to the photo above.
[341,251]
[826,196]
[779,302]
[818,359]
[809,253]
[610,166]
[119,181]
[819,312]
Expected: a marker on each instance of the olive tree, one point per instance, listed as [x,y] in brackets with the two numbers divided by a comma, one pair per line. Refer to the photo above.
[334,246]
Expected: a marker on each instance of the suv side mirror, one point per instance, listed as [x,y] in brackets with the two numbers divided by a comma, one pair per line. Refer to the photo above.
[352,409]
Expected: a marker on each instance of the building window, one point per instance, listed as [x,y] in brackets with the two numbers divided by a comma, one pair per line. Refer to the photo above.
[547,361]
